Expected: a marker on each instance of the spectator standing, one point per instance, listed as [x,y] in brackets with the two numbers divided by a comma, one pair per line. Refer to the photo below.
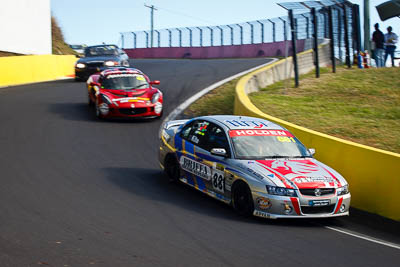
[390,44]
[379,40]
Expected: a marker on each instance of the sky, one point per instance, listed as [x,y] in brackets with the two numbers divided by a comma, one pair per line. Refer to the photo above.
[93,22]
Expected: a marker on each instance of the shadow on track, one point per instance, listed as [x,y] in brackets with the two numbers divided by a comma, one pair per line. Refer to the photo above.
[83,112]
[153,184]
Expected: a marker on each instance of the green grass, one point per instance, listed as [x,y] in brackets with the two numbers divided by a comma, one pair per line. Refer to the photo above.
[217,102]
[357,105]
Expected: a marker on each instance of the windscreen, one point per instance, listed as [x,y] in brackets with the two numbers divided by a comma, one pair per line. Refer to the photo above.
[262,144]
[125,82]
[95,51]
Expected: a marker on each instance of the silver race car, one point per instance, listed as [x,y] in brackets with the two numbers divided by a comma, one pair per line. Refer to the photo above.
[257,166]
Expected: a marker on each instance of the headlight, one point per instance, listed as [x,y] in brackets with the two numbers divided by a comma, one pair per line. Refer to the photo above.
[111,63]
[106,99]
[281,191]
[343,190]
[80,66]
[155,98]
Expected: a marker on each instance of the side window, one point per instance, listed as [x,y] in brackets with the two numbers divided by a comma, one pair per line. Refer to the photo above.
[186,131]
[196,133]
[217,139]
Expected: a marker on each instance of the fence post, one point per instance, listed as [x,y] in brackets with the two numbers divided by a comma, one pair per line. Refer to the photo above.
[134,39]
[251,32]
[230,27]
[241,33]
[180,37]
[170,37]
[201,35]
[339,19]
[211,35]
[346,36]
[357,28]
[284,29]
[158,38]
[190,37]
[273,31]
[332,37]
[222,35]
[315,36]
[262,31]
[293,27]
[147,39]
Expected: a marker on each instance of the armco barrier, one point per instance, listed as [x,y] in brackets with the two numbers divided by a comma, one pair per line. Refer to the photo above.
[226,51]
[29,69]
[373,174]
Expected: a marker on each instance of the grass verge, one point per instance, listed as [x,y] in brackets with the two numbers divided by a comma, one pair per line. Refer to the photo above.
[360,105]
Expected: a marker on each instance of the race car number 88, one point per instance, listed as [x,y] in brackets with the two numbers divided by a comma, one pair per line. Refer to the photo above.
[218,181]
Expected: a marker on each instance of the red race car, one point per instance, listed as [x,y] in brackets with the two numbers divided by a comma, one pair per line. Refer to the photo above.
[124,92]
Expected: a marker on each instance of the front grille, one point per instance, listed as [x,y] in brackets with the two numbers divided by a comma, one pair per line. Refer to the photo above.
[95,64]
[311,191]
[317,210]
[132,111]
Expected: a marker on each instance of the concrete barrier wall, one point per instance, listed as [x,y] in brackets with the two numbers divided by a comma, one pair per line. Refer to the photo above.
[29,69]
[226,51]
[373,174]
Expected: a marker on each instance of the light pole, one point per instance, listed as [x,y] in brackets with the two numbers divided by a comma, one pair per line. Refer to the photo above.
[152,8]
[366,26]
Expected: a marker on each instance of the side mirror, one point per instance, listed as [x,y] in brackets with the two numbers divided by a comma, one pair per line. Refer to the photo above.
[219,152]
[312,151]
[155,82]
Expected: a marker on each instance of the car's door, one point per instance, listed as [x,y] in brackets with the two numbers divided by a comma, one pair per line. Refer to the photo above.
[200,168]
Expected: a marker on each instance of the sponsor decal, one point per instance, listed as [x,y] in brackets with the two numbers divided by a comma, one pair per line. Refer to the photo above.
[319,203]
[254,124]
[261,214]
[218,180]
[198,169]
[301,180]
[263,203]
[138,77]
[279,133]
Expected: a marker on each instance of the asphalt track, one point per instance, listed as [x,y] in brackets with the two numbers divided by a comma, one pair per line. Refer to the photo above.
[76,191]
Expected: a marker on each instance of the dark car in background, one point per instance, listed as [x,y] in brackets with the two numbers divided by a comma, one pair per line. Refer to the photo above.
[98,58]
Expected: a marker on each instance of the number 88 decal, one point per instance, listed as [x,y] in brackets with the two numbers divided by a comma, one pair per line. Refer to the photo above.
[218,181]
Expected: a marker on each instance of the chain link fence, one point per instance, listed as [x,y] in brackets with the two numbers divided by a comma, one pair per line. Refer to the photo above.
[345,30]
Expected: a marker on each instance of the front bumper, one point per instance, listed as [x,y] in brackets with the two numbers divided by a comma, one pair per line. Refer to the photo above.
[84,73]
[133,112]
[273,207]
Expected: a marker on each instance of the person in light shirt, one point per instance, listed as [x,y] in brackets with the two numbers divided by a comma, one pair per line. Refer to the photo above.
[390,44]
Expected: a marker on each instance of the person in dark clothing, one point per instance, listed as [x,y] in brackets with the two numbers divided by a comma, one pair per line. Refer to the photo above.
[379,40]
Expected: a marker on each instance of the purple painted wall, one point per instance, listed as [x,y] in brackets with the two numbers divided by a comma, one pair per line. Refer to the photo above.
[226,51]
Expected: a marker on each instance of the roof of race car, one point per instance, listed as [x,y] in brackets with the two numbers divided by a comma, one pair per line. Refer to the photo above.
[120,70]
[244,122]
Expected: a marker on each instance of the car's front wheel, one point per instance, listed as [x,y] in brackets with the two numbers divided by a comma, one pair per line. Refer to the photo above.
[172,168]
[242,199]
[97,109]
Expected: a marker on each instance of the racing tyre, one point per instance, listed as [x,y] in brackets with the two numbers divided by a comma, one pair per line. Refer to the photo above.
[242,199]
[172,169]
[90,102]
[97,110]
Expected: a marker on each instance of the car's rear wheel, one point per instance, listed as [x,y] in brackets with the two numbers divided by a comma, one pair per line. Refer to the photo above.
[242,199]
[172,168]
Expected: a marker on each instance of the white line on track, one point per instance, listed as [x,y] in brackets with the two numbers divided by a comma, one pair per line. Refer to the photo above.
[192,99]
[371,239]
